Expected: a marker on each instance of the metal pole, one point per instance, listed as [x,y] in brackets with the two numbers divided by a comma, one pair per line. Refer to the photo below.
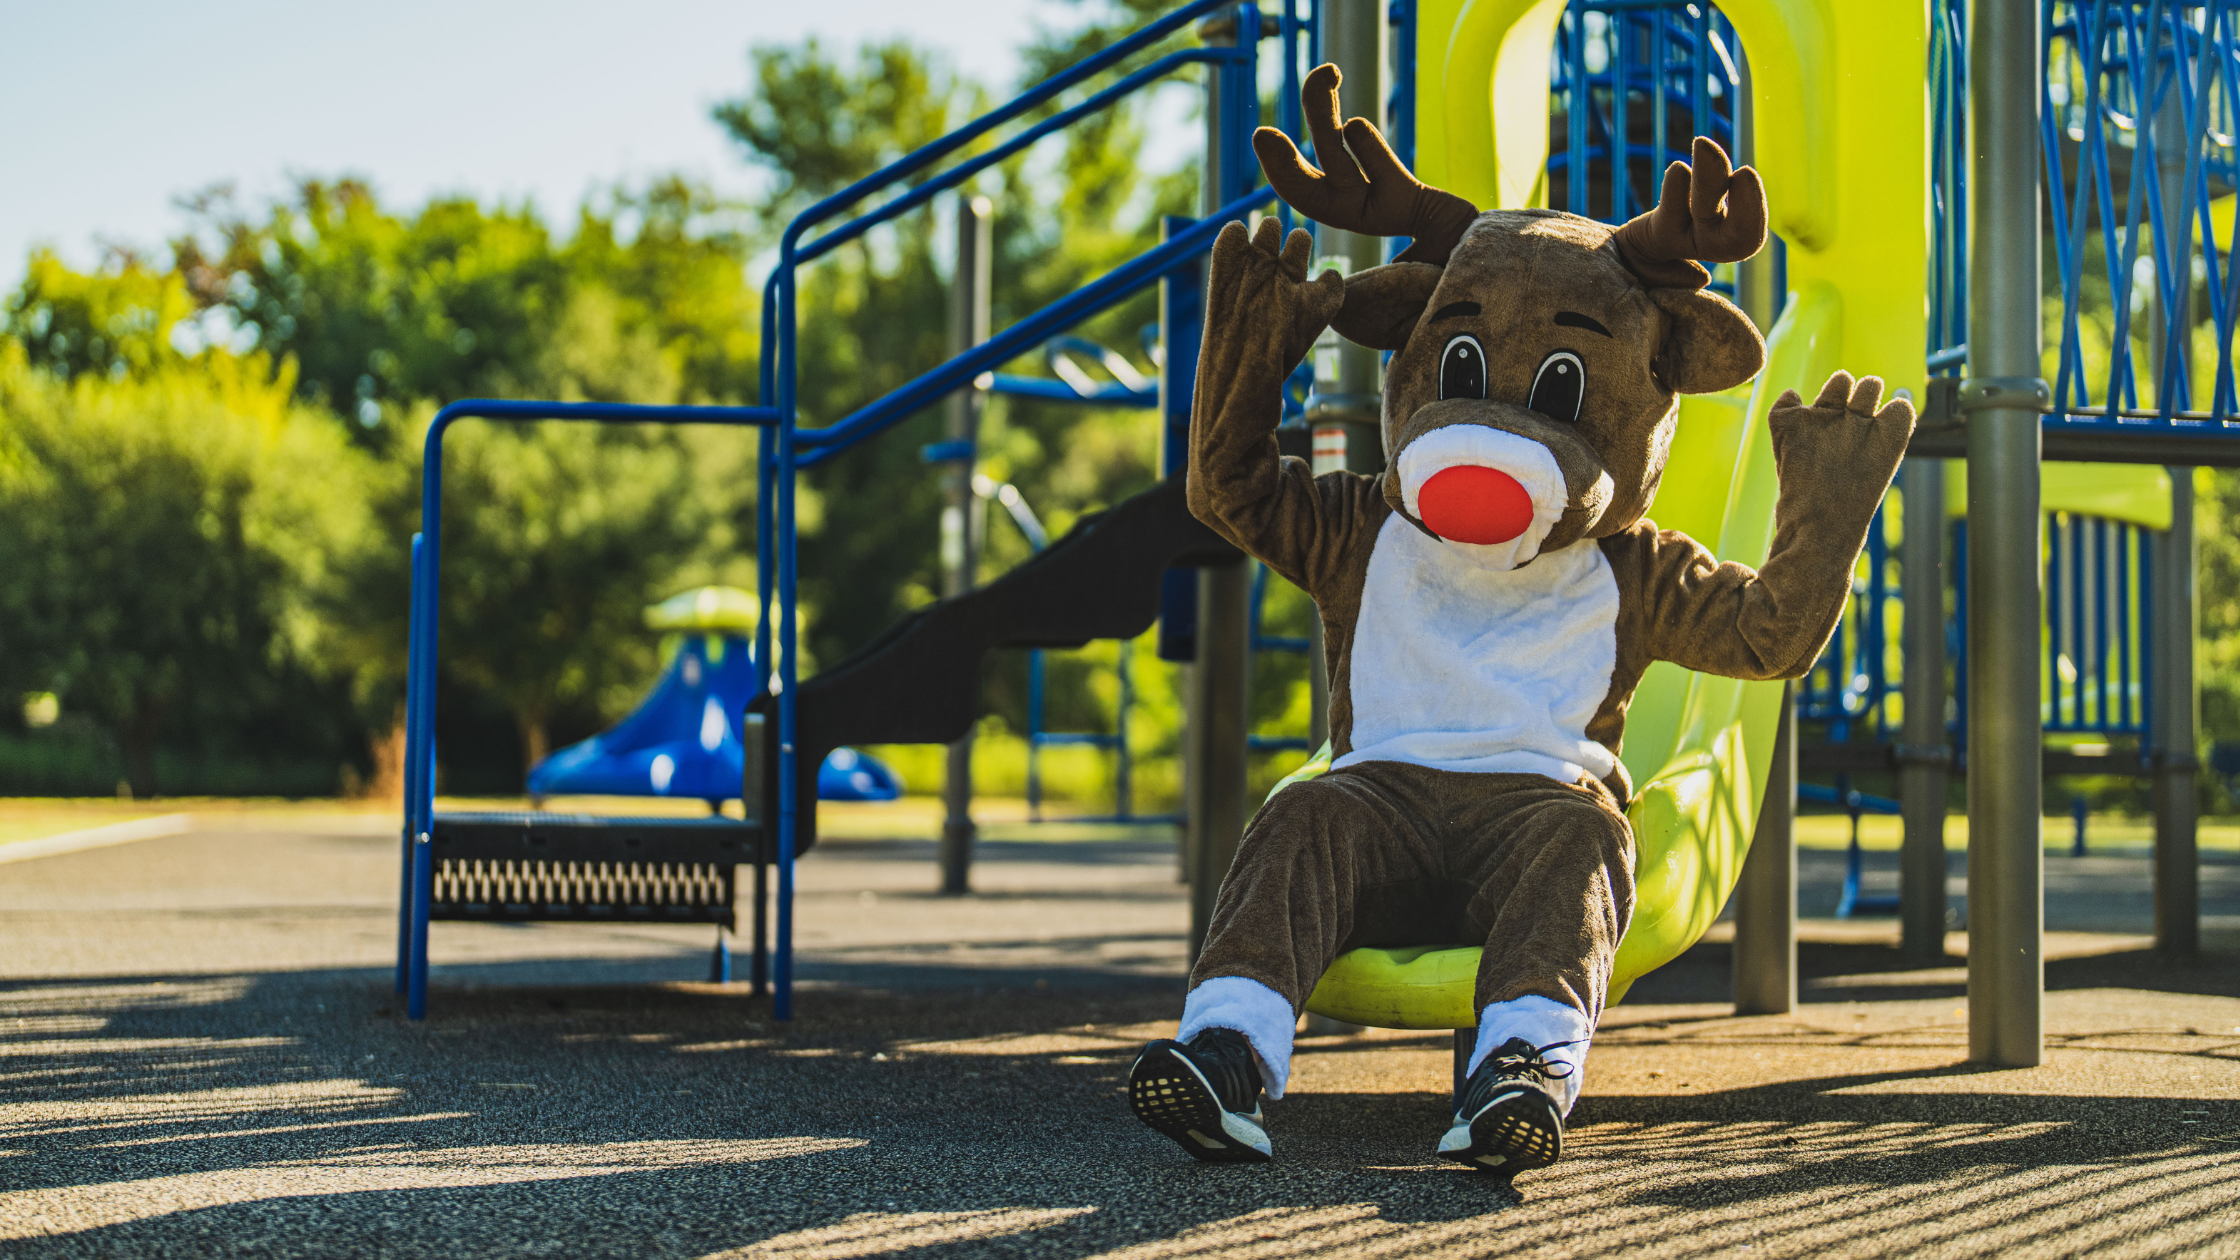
[1181,323]
[1219,695]
[1924,757]
[1754,291]
[1765,908]
[760,970]
[2177,857]
[960,516]
[413,666]
[1355,37]
[1218,713]
[2171,146]
[2177,870]
[1765,899]
[2006,904]
[1345,407]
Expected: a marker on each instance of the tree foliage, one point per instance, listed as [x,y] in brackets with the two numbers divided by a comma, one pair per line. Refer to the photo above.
[169,535]
[356,320]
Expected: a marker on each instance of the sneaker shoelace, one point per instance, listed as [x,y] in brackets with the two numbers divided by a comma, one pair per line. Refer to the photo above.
[1516,1063]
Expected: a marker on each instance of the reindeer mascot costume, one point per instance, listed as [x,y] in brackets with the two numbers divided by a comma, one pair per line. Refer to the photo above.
[1489,603]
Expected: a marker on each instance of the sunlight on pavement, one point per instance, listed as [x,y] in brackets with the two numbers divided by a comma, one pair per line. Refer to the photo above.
[68,1209]
[882,1233]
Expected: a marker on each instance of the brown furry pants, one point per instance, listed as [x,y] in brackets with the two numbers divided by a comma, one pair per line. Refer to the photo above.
[1389,854]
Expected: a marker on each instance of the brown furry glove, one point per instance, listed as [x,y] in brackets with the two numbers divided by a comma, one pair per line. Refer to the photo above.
[1847,438]
[1262,313]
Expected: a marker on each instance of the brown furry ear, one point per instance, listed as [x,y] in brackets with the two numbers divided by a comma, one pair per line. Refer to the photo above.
[1383,304]
[1710,346]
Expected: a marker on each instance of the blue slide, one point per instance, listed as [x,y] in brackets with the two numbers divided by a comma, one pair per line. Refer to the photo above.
[684,740]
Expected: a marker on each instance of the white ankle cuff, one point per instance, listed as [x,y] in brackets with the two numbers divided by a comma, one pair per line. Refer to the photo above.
[1543,1022]
[1247,1006]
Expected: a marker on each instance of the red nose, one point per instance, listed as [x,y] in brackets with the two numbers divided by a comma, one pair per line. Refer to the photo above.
[1474,504]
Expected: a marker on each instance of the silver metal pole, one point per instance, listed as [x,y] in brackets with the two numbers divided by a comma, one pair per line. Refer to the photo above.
[1218,724]
[2177,859]
[1345,407]
[1354,38]
[2006,904]
[1221,672]
[961,515]
[1754,275]
[2171,143]
[1765,899]
[1924,758]
[1765,906]
[2177,856]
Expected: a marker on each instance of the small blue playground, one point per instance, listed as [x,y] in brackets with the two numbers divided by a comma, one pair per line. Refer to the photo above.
[2060,306]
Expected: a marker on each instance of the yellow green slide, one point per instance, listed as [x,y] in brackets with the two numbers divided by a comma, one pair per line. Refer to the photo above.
[1845,165]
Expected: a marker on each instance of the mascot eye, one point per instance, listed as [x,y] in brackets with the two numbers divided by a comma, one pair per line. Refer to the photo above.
[1462,369]
[1559,387]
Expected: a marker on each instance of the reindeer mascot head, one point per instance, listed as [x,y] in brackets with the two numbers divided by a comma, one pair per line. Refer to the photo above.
[1489,603]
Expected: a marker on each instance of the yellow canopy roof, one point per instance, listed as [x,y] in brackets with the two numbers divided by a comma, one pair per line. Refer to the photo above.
[707,610]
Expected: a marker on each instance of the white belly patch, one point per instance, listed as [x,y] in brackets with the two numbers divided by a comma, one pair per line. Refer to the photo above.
[1461,668]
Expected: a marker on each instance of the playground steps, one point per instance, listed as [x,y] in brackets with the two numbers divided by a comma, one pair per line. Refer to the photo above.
[588,867]
[919,683]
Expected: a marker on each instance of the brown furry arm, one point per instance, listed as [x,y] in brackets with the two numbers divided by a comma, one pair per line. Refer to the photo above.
[1835,457]
[1262,316]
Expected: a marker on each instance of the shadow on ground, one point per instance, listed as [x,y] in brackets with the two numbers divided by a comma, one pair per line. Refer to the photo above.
[938,1111]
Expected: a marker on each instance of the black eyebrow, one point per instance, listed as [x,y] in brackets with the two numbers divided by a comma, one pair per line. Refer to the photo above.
[1453,309]
[1573,319]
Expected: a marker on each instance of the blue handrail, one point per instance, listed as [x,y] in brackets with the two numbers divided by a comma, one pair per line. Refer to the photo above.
[922,193]
[1112,395]
[420,694]
[1116,286]
[919,158]
[787,448]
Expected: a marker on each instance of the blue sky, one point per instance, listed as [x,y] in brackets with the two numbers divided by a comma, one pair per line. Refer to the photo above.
[115,107]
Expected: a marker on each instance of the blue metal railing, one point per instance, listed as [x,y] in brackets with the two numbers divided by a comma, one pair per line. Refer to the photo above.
[1615,58]
[1851,684]
[420,691]
[1114,741]
[1948,187]
[2098,625]
[1262,642]
[1117,286]
[1850,902]
[2140,105]
[788,447]
[2145,95]
[1400,102]
[1128,388]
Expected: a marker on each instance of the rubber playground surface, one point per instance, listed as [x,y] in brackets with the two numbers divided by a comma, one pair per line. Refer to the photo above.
[200,1056]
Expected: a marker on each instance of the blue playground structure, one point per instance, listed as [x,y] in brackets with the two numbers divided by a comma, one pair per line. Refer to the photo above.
[683,741]
[2136,172]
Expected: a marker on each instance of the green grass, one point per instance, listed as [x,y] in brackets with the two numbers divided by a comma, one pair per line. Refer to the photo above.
[2103,832]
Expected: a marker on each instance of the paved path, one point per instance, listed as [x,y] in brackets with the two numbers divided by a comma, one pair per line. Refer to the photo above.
[200,1056]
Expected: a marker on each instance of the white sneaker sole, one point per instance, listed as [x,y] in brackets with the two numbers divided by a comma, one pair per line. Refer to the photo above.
[1169,1093]
[1518,1130]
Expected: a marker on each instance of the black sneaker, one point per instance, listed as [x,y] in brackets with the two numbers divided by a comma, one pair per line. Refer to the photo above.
[1511,1115]
[1204,1095]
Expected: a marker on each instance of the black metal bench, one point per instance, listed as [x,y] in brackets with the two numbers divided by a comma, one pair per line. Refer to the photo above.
[536,867]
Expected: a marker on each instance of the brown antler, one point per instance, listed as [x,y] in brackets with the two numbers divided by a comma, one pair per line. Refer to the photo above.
[1377,198]
[1690,222]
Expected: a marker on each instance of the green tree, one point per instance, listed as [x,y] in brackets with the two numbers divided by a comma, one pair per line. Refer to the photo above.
[168,535]
[114,321]
[556,535]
